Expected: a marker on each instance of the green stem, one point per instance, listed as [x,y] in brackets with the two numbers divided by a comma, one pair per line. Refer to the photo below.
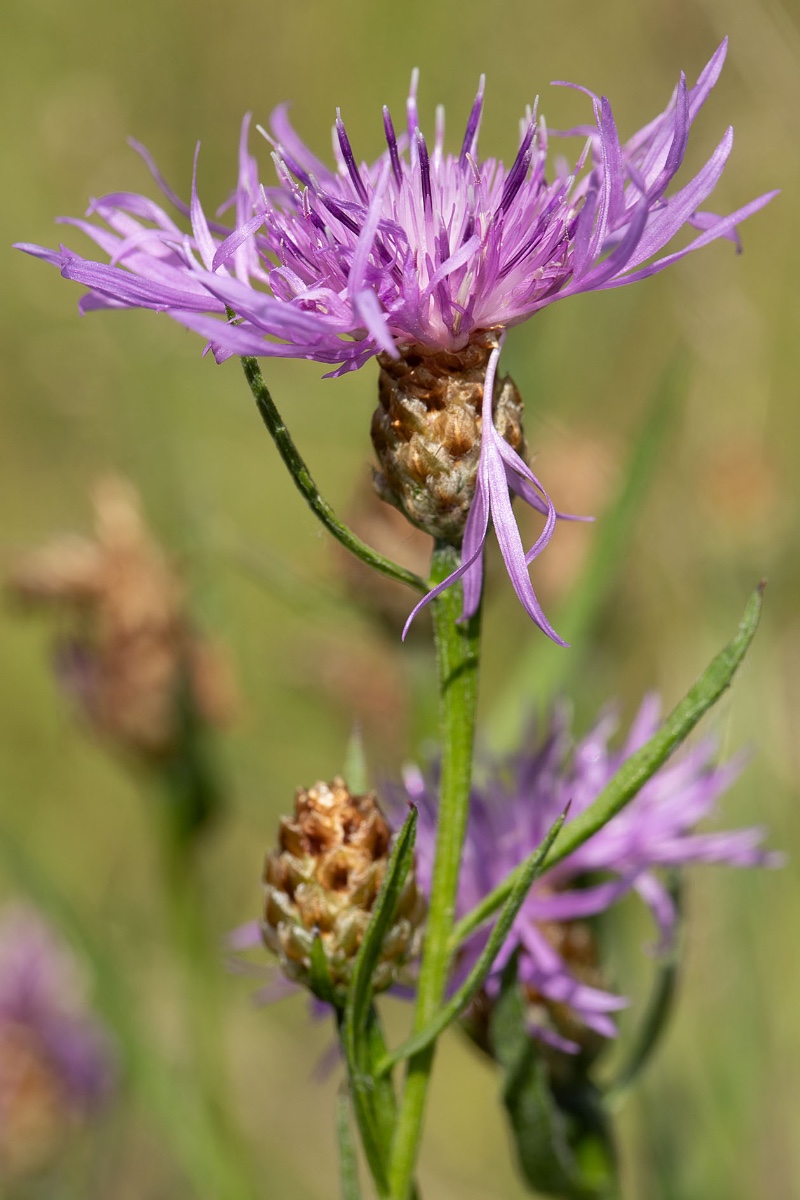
[309,490]
[457,657]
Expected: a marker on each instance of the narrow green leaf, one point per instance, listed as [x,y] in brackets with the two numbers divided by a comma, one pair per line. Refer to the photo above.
[384,1101]
[307,487]
[526,875]
[542,668]
[360,1033]
[374,1104]
[374,1150]
[641,766]
[348,1162]
[656,1017]
[359,997]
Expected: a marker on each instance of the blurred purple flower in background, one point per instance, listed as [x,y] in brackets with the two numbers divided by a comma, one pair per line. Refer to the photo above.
[421,250]
[56,1062]
[515,806]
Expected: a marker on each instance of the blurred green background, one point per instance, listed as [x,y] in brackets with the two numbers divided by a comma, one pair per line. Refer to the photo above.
[718,1114]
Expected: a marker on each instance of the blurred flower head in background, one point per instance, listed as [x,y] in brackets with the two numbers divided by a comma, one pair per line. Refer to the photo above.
[424,257]
[56,1062]
[510,813]
[127,653]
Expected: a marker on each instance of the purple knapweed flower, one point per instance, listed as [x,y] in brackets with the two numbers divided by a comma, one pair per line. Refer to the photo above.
[421,257]
[515,806]
[56,1064]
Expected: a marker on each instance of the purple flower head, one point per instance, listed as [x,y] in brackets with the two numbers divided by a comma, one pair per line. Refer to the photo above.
[56,1063]
[422,249]
[512,810]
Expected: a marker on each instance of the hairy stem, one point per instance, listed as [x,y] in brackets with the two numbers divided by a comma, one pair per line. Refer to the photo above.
[457,656]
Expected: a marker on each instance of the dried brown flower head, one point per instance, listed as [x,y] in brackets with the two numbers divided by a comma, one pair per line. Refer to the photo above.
[130,655]
[323,880]
[426,431]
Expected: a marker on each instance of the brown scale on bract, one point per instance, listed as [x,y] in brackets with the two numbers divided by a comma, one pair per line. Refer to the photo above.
[426,432]
[128,654]
[323,880]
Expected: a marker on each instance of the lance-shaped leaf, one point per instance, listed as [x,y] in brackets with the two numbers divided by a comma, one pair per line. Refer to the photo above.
[319,980]
[360,1032]
[359,997]
[643,764]
[639,767]
[476,978]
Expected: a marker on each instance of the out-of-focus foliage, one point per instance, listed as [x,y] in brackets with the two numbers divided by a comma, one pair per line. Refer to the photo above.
[130,392]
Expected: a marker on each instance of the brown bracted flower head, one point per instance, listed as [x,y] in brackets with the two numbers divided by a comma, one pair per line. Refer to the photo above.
[323,880]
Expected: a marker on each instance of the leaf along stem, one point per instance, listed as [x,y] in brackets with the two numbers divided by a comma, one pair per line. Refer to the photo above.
[308,488]
[636,770]
[530,869]
[374,1103]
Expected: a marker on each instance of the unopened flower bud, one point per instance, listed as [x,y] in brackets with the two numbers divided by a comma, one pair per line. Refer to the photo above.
[323,880]
[426,431]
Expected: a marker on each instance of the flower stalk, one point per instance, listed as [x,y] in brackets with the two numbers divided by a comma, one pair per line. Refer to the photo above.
[305,484]
[457,661]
